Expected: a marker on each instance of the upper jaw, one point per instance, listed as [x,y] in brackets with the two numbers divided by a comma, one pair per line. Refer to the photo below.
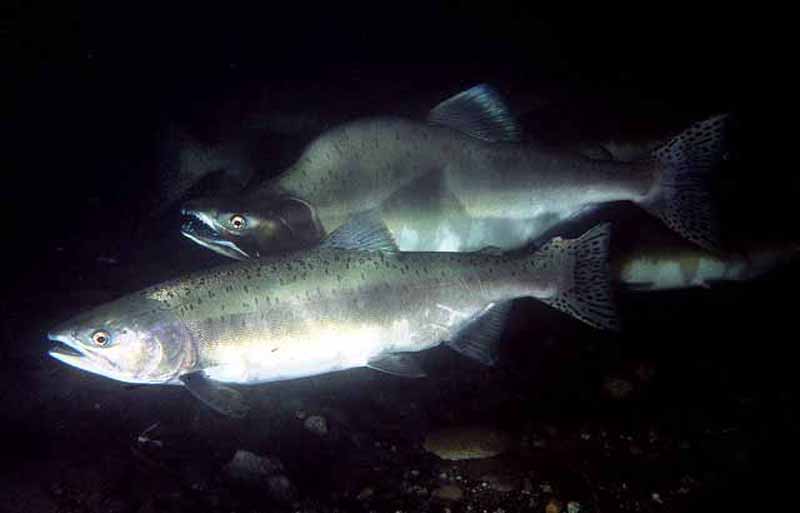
[200,229]
[76,355]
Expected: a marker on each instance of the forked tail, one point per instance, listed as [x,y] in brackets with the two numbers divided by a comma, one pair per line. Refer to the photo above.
[682,197]
[586,293]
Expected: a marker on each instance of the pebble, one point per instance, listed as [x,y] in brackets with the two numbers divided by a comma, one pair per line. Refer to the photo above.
[448,493]
[553,506]
[467,442]
[317,425]
[365,493]
[500,483]
[618,388]
[251,469]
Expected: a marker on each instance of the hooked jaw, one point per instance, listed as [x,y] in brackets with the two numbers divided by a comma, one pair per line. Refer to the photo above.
[199,228]
[74,354]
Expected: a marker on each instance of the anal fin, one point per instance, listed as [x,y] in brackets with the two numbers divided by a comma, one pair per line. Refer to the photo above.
[480,336]
[397,364]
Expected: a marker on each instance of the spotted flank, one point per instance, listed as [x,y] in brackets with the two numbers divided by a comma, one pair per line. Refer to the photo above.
[682,198]
[586,294]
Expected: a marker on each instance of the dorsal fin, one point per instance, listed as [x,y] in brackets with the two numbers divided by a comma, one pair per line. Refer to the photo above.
[365,232]
[479,112]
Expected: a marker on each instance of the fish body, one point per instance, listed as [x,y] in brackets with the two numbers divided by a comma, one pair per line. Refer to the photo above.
[359,166]
[330,309]
[649,257]
[663,266]
[484,179]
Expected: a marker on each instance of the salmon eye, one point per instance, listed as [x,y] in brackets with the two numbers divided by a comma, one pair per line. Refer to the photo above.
[101,338]
[237,222]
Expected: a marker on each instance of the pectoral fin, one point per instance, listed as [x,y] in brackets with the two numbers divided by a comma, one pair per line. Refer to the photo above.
[397,364]
[221,398]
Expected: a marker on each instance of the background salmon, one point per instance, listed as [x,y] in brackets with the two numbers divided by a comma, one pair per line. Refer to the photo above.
[468,158]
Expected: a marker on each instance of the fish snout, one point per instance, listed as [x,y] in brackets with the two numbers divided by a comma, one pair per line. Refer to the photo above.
[189,209]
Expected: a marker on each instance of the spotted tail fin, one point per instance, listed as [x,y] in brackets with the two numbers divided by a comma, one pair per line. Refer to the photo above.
[585,292]
[682,197]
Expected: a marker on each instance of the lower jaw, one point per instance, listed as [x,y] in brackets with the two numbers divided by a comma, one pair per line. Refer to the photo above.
[216,246]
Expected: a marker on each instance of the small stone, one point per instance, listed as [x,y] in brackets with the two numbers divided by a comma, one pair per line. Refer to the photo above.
[618,388]
[317,425]
[469,442]
[415,473]
[573,507]
[527,485]
[365,493]
[551,430]
[553,506]
[300,414]
[448,493]
[500,483]
[280,488]
[248,468]
[262,472]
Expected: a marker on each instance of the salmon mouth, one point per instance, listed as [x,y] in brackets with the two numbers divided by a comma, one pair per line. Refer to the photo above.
[67,350]
[201,232]
[197,227]
[70,352]
[65,347]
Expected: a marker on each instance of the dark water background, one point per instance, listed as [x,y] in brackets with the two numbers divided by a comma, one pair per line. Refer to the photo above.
[712,411]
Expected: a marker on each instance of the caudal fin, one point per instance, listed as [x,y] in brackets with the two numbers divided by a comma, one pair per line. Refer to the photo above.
[586,288]
[682,197]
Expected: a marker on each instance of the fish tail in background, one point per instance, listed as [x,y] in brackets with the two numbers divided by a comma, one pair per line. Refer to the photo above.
[586,292]
[682,196]
[183,162]
[178,156]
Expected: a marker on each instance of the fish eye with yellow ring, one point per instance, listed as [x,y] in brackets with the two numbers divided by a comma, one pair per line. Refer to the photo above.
[237,222]
[101,338]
